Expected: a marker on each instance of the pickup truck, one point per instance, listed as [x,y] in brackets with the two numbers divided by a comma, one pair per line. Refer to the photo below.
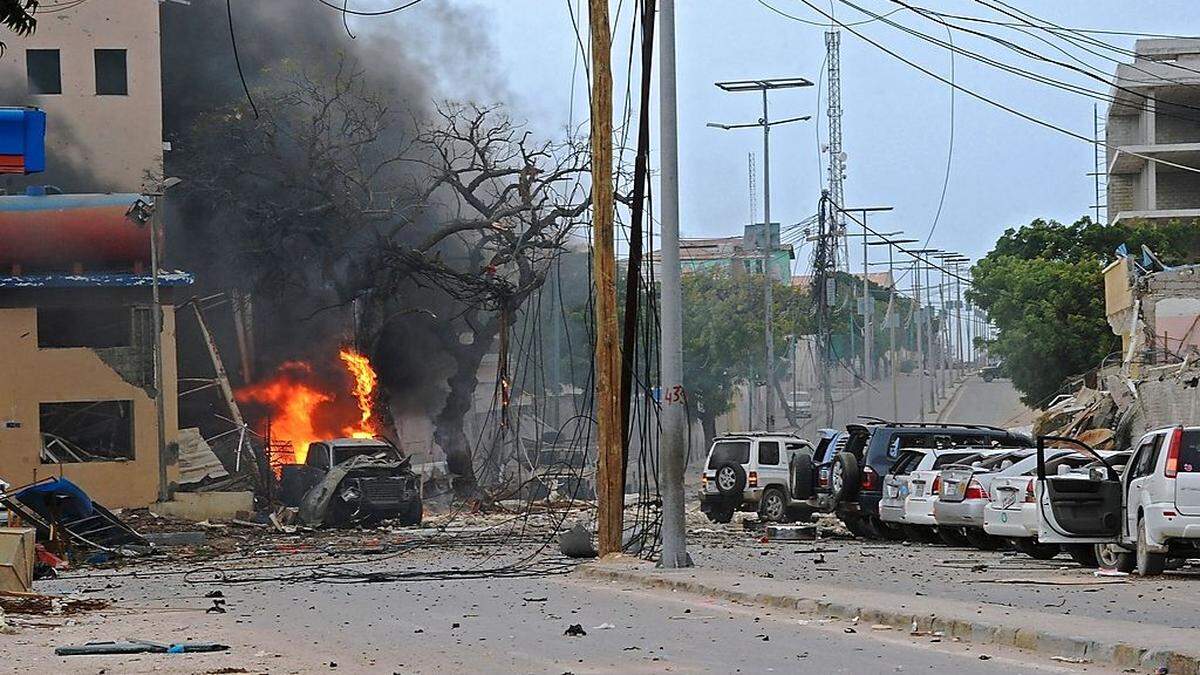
[352,481]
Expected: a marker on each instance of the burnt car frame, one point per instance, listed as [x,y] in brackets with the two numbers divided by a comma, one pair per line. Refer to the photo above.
[352,481]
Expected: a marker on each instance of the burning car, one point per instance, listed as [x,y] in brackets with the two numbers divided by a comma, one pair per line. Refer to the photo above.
[353,481]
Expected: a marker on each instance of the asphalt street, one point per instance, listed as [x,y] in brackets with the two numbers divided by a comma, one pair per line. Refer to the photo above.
[489,625]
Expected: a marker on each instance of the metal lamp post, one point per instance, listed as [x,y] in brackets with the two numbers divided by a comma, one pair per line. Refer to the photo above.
[764,86]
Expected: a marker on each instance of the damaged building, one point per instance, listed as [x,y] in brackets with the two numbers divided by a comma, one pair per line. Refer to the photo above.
[77,396]
[77,384]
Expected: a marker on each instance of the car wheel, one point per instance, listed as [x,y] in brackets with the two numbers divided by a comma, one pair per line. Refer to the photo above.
[1149,563]
[951,536]
[988,377]
[980,539]
[1113,557]
[800,475]
[731,480]
[1084,554]
[722,514]
[1030,547]
[843,477]
[774,506]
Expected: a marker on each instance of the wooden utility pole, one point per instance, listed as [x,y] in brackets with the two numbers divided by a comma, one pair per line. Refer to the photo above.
[610,499]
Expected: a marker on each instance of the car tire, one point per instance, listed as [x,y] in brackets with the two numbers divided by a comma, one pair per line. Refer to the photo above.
[951,536]
[800,476]
[843,477]
[721,515]
[1030,547]
[731,480]
[988,377]
[980,539]
[1113,557]
[1084,554]
[774,506]
[1149,563]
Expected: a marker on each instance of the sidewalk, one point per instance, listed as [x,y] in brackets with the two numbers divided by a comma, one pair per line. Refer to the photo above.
[1121,643]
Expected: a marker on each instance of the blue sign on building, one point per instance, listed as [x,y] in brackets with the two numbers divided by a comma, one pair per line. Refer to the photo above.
[22,140]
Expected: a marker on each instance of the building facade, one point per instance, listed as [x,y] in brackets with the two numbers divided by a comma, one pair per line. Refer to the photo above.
[1153,132]
[744,254]
[95,69]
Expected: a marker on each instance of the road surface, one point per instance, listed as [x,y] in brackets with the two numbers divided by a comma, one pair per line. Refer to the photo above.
[488,625]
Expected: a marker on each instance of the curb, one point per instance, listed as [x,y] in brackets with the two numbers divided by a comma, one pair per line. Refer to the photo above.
[973,629]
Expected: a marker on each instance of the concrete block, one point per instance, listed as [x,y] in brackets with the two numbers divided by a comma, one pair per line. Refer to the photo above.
[791,532]
[198,506]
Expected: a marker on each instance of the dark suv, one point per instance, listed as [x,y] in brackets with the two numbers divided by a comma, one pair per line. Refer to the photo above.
[855,473]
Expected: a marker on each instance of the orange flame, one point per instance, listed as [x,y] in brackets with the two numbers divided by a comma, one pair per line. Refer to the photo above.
[293,398]
[365,381]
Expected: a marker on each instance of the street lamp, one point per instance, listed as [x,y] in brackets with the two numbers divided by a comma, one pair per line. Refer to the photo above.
[764,86]
[154,221]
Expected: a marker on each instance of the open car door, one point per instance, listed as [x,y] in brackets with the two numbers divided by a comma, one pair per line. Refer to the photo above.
[1077,508]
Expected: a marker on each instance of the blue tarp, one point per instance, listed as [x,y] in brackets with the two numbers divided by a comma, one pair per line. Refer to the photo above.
[59,496]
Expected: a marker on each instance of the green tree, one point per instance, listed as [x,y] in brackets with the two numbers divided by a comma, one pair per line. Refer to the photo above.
[723,337]
[1042,287]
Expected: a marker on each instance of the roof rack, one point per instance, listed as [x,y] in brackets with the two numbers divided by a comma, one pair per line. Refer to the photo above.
[750,434]
[960,425]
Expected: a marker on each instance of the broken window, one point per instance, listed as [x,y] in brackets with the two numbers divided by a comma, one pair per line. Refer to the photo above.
[43,71]
[86,431]
[111,79]
[96,327]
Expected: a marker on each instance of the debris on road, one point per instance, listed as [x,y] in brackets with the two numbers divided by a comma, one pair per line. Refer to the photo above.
[575,630]
[138,647]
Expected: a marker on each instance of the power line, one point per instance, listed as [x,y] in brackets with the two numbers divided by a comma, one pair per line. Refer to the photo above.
[380,12]
[1023,115]
[237,59]
[793,17]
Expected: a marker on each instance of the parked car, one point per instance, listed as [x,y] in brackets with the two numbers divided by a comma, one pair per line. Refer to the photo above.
[809,475]
[750,472]
[801,404]
[1137,521]
[925,488]
[352,481]
[993,371]
[857,472]
[896,486]
[1011,511]
[963,492]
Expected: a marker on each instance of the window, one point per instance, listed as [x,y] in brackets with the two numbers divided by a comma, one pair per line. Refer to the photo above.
[737,452]
[1189,453]
[909,459]
[318,456]
[954,458]
[111,77]
[43,70]
[97,327]
[768,453]
[1147,456]
[86,431]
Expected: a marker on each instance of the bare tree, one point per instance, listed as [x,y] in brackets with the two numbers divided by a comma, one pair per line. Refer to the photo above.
[331,194]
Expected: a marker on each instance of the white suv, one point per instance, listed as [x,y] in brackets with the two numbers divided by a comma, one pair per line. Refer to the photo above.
[1137,520]
[749,472]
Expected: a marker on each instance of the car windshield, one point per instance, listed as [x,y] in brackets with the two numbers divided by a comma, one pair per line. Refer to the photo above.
[954,458]
[737,452]
[345,452]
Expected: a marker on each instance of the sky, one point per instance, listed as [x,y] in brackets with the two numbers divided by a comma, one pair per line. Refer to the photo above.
[1003,171]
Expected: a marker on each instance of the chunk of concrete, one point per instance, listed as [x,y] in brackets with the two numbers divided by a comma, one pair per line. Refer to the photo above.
[198,506]
[791,532]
